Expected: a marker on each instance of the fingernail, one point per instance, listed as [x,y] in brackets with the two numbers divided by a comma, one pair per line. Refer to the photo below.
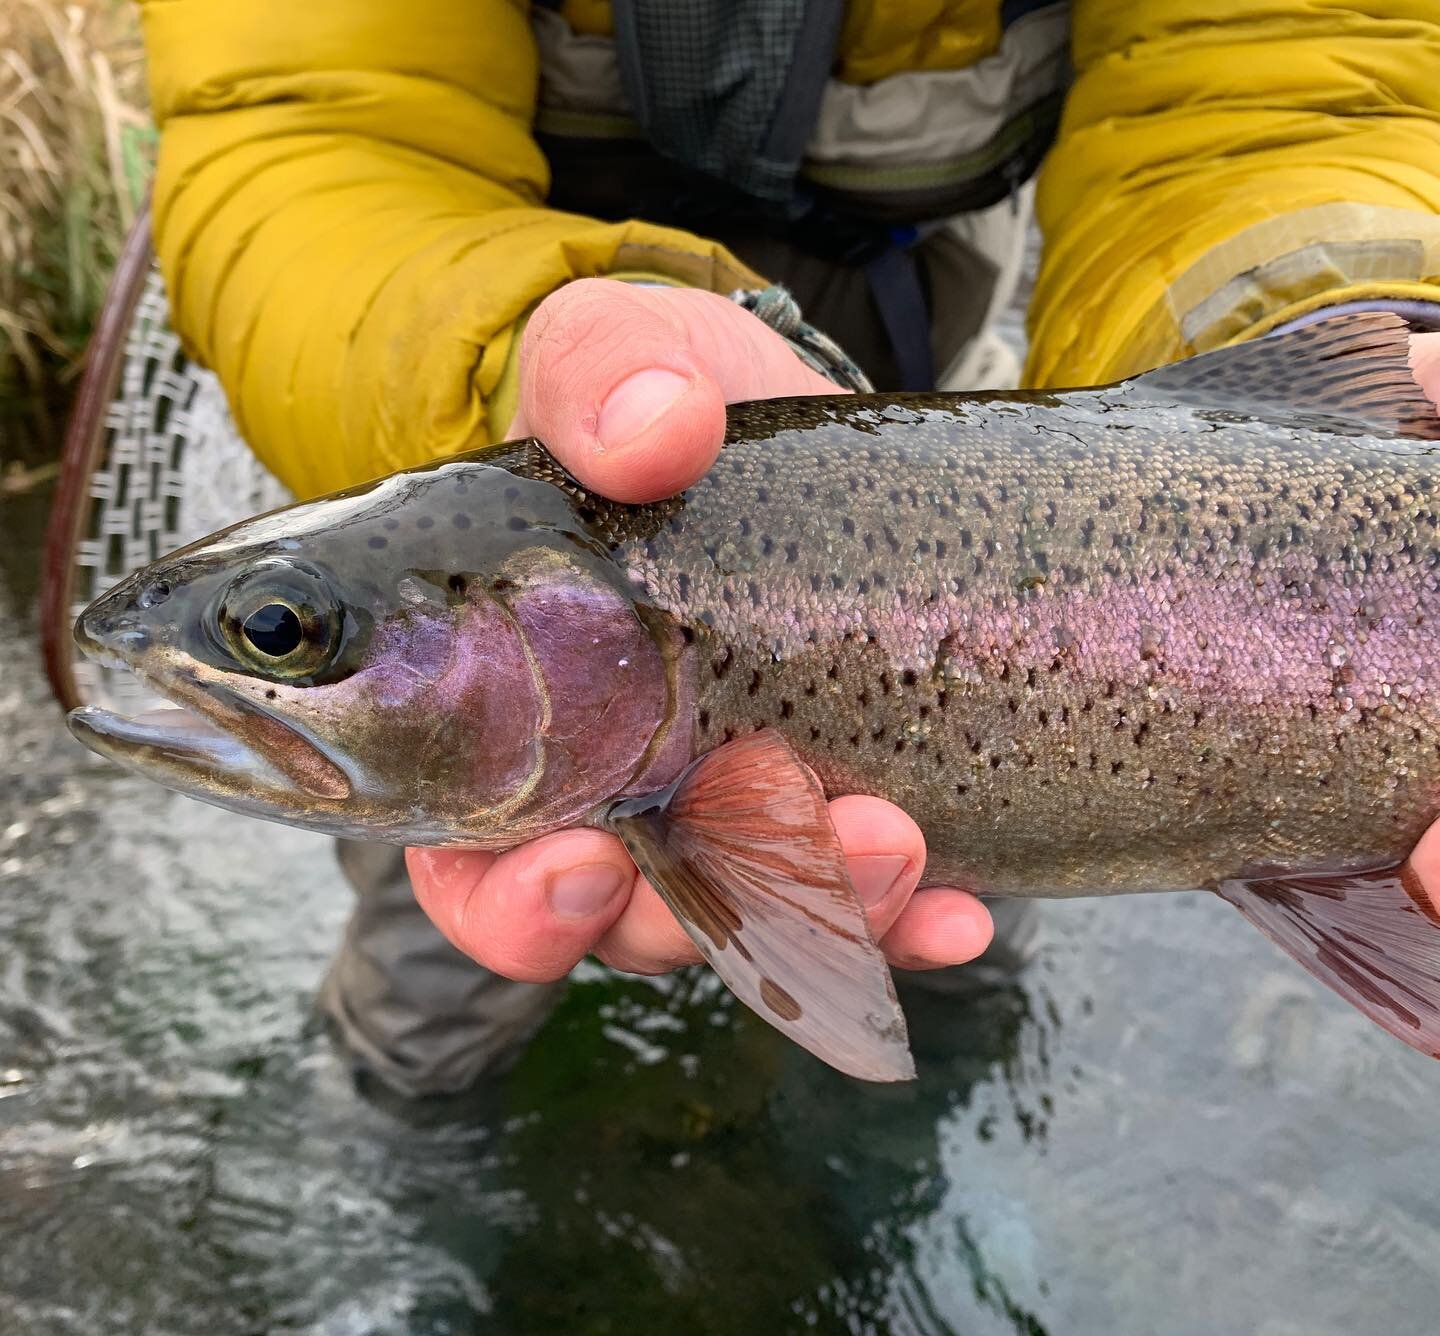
[875,875]
[581,892]
[635,403]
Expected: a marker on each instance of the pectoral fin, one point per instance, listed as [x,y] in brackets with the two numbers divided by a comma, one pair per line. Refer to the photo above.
[742,850]
[1372,936]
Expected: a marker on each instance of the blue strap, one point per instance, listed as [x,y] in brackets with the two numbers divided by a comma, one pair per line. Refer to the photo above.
[894,280]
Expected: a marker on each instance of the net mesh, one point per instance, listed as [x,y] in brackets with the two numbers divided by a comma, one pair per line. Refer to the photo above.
[171,469]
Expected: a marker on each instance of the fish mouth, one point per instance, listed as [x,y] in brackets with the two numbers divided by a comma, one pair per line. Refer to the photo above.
[210,742]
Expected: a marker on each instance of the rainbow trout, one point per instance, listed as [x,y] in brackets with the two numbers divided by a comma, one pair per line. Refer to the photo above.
[1180,632]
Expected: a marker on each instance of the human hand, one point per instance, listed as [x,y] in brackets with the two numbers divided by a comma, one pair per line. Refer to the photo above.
[1425,363]
[627,386]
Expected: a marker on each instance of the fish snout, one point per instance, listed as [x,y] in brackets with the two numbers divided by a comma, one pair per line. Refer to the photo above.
[105,630]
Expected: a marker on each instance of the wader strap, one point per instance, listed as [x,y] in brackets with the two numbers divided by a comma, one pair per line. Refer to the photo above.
[899,296]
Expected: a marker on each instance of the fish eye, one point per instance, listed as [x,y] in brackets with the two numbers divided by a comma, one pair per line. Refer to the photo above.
[281,621]
[274,630]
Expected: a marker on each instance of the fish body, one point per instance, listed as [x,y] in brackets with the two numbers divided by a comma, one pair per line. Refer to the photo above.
[1177,633]
[1089,643]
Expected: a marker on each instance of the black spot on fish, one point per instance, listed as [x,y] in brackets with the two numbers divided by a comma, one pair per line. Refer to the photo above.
[779,1001]
[377,542]
[460,521]
[517,523]
[425,522]
[392,524]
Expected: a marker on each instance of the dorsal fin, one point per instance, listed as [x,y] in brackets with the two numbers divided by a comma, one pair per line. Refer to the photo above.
[1353,369]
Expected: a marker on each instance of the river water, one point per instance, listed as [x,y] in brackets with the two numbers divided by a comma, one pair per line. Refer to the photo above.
[1161,1128]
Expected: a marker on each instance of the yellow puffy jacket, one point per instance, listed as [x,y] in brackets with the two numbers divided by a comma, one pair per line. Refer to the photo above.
[350,205]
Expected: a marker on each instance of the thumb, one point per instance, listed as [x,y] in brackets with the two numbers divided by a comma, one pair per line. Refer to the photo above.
[1425,364]
[627,386]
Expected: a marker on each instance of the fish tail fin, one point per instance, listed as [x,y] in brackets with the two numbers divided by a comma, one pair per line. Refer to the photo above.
[1372,936]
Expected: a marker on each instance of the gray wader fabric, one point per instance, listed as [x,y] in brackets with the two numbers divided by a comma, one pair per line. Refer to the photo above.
[406,1005]
[729,87]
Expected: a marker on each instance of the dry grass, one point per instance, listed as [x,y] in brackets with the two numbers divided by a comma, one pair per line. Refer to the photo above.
[75,160]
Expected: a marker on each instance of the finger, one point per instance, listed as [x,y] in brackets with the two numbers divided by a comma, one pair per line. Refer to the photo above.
[1425,364]
[627,385]
[646,938]
[531,913]
[885,854]
[1425,863]
[748,358]
[611,385]
[939,926]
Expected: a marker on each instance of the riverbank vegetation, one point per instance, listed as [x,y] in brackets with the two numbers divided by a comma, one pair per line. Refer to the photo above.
[76,149]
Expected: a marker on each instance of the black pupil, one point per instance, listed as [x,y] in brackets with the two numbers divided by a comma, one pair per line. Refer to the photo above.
[274,630]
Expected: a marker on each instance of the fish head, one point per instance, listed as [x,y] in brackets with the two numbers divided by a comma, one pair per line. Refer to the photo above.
[447,657]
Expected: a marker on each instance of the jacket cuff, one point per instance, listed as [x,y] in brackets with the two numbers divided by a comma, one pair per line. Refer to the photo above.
[1257,279]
